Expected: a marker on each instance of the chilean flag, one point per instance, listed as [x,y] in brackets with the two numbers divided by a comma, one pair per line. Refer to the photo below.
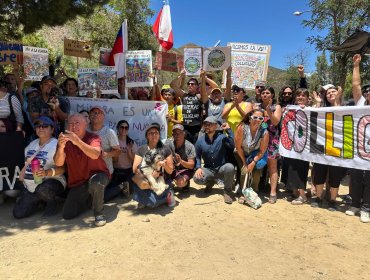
[117,55]
[162,27]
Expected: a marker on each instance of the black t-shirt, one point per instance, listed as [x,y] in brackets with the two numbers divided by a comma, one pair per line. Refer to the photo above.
[191,110]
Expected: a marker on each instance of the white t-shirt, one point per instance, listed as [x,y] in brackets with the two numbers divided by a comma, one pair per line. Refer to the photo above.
[123,161]
[108,139]
[45,156]
[361,101]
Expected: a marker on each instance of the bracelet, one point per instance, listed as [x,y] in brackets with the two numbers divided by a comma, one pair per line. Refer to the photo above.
[52,172]
[255,160]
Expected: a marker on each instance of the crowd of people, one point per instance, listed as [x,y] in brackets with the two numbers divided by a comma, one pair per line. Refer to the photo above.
[215,136]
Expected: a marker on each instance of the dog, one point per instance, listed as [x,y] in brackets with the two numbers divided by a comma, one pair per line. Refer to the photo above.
[150,164]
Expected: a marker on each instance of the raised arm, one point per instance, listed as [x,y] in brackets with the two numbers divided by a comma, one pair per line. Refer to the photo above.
[176,84]
[203,90]
[356,78]
[228,84]
[302,78]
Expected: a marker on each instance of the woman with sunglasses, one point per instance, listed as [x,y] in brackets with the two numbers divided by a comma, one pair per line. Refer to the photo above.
[122,173]
[272,119]
[251,141]
[44,183]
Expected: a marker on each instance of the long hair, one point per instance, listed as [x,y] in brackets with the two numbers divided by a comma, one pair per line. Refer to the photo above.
[247,117]
[281,100]
[326,102]
[128,139]
[273,97]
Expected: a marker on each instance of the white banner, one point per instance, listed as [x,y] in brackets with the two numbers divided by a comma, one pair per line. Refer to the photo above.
[139,114]
[193,61]
[217,58]
[337,136]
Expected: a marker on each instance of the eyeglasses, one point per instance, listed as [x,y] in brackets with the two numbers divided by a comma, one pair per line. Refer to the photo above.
[42,126]
[256,118]
[123,127]
[192,84]
[287,93]
[153,133]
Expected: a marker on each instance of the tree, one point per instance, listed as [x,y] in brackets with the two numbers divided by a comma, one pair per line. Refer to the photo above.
[19,17]
[322,69]
[340,19]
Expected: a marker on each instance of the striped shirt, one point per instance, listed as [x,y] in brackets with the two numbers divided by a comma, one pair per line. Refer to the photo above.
[5,108]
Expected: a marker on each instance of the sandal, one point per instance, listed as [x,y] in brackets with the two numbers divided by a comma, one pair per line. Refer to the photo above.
[241,200]
[272,199]
[299,201]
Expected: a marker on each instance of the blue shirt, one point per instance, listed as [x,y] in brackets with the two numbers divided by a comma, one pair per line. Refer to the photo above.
[214,153]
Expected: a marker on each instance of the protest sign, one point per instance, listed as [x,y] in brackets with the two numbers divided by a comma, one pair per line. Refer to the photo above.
[35,63]
[11,160]
[107,80]
[11,53]
[337,136]
[77,48]
[138,69]
[87,80]
[192,61]
[249,63]
[104,55]
[166,61]
[217,58]
[139,114]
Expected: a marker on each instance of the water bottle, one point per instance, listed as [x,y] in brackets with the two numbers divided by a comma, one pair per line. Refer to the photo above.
[35,166]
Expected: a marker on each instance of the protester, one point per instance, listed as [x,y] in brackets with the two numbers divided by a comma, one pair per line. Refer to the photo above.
[44,184]
[259,87]
[251,141]
[272,119]
[10,107]
[174,115]
[71,87]
[183,153]
[88,174]
[360,179]
[86,115]
[213,148]
[143,192]
[331,175]
[191,104]
[122,164]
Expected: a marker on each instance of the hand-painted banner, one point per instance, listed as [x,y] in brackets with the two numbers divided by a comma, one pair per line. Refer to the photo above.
[139,114]
[11,160]
[337,136]
[138,69]
[11,53]
[107,80]
[167,61]
[217,58]
[250,64]
[77,48]
[193,61]
[87,80]
[35,63]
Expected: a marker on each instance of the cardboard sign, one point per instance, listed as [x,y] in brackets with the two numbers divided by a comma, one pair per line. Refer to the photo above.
[77,48]
[11,53]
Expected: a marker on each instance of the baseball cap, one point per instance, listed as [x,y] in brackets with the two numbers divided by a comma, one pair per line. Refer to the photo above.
[48,78]
[44,120]
[153,125]
[211,119]
[97,107]
[326,87]
[178,126]
[165,87]
[30,90]
[216,89]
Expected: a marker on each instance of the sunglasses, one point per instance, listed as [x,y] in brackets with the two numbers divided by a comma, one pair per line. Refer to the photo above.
[192,84]
[42,126]
[260,87]
[287,93]
[366,91]
[256,118]
[123,127]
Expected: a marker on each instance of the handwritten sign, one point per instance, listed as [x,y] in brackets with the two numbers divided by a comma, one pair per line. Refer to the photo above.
[77,48]
[11,53]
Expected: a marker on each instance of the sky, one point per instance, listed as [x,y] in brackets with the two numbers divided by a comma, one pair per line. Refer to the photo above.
[267,22]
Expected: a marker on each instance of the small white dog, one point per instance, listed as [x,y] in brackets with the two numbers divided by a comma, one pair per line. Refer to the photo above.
[150,164]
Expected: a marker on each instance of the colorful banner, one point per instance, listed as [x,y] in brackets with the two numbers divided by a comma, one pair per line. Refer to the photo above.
[77,48]
[217,58]
[192,61]
[11,53]
[138,69]
[107,80]
[166,61]
[87,80]
[250,64]
[11,160]
[337,136]
[139,114]
[35,63]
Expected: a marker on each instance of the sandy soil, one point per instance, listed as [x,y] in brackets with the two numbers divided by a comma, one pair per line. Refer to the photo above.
[201,238]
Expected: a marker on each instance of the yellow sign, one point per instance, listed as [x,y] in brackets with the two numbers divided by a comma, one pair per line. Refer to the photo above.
[77,48]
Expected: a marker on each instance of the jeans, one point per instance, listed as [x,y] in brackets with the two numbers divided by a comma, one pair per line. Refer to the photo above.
[119,176]
[27,203]
[148,197]
[360,180]
[225,173]
[80,198]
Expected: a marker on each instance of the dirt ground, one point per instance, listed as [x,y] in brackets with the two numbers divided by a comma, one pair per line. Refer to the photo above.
[201,238]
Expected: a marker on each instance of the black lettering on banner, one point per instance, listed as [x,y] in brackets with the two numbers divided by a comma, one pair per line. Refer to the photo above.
[315,148]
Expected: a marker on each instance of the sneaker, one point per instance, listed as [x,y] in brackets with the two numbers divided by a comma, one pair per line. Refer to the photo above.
[100,220]
[352,211]
[272,199]
[208,189]
[347,199]
[316,203]
[171,202]
[332,206]
[365,216]
[299,200]
[227,198]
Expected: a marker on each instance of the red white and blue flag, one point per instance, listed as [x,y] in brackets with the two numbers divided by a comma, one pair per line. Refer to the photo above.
[117,55]
[162,27]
